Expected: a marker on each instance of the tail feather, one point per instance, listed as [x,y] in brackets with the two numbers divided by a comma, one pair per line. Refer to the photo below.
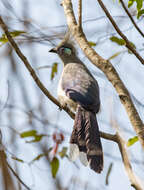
[93,143]
[78,133]
[86,136]
[81,130]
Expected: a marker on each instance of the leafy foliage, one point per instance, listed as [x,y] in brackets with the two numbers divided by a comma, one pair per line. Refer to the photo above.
[140,13]
[63,152]
[117,40]
[14,34]
[121,42]
[54,166]
[130,3]
[114,55]
[54,70]
[92,43]
[131,141]
[28,133]
[32,133]
[17,159]
[38,157]
[139,4]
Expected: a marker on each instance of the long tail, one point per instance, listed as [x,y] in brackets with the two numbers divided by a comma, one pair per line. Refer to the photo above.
[86,135]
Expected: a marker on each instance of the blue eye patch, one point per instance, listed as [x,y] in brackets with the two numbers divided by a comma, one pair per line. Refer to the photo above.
[68,51]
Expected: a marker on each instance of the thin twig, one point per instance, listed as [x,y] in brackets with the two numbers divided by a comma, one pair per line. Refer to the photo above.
[15,174]
[131,18]
[108,173]
[133,179]
[117,138]
[80,14]
[30,69]
[128,44]
[4,154]
[135,182]
[107,68]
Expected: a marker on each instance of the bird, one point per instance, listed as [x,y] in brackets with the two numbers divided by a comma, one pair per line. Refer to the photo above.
[79,91]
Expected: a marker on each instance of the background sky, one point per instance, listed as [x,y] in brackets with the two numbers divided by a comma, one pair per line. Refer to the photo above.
[20,97]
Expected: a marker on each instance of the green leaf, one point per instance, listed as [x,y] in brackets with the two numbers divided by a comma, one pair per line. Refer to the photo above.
[37,138]
[14,34]
[54,70]
[32,133]
[17,33]
[38,157]
[63,152]
[131,141]
[3,38]
[17,159]
[28,133]
[140,13]
[121,42]
[114,55]
[92,43]
[139,4]
[117,40]
[54,166]
[130,3]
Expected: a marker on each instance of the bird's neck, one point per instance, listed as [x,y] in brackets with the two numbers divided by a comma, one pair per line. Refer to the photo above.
[70,60]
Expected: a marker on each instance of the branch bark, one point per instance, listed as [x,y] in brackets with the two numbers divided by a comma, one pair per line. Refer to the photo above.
[80,14]
[4,165]
[18,178]
[128,44]
[107,68]
[128,168]
[131,18]
[133,179]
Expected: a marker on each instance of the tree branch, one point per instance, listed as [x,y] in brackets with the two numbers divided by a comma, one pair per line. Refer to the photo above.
[107,68]
[30,69]
[128,44]
[117,138]
[3,156]
[80,14]
[133,179]
[18,178]
[131,18]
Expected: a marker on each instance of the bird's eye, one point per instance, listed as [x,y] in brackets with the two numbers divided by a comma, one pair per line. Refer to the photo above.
[67,51]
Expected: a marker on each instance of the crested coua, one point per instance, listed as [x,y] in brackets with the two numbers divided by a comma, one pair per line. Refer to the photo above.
[79,90]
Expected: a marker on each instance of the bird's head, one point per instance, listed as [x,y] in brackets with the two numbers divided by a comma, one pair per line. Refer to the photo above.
[66,52]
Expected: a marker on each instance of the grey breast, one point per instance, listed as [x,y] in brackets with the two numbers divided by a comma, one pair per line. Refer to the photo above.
[79,85]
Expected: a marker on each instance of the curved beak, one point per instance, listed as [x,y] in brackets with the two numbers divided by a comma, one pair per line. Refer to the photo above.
[53,50]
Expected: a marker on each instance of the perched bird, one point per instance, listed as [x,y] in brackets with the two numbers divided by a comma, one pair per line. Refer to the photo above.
[79,90]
